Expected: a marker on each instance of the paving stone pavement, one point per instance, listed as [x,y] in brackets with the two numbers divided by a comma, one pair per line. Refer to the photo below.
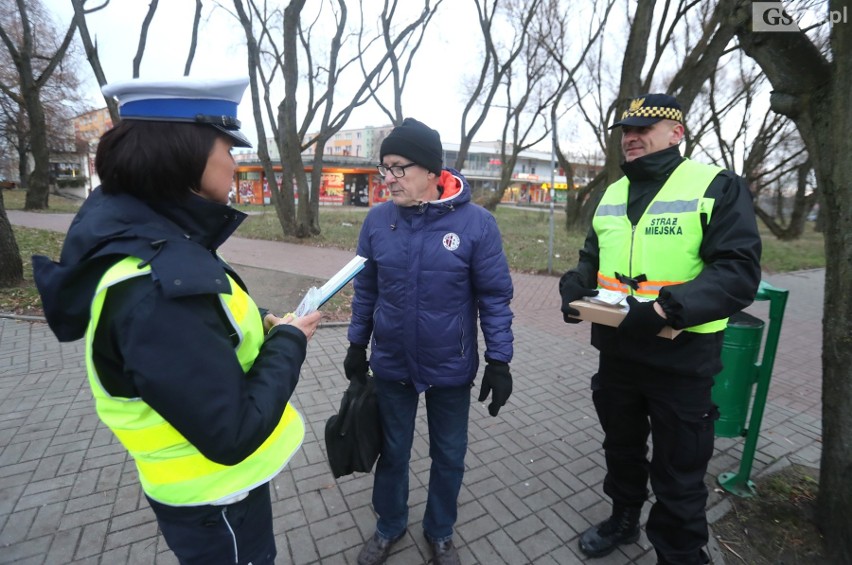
[69,492]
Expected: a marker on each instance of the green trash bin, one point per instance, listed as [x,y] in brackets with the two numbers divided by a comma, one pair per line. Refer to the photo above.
[742,374]
[733,388]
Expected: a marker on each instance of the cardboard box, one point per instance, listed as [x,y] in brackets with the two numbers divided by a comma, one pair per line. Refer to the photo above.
[611,316]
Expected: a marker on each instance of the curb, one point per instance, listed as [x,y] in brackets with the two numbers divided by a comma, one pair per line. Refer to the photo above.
[22,318]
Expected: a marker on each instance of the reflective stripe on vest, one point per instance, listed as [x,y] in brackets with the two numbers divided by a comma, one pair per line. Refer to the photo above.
[171,470]
[663,248]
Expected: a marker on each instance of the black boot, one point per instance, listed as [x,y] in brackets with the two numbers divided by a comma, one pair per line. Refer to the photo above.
[622,527]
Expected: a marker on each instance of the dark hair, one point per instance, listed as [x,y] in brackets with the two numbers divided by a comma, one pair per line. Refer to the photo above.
[154,160]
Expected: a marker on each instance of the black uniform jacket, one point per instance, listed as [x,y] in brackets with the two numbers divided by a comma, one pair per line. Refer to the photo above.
[165,338]
[730,249]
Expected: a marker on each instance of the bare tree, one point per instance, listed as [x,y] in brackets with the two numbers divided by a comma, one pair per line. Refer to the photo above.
[143,37]
[35,57]
[759,144]
[556,34]
[193,42]
[91,48]
[399,64]
[327,76]
[528,100]
[811,82]
[658,33]
[81,11]
[496,64]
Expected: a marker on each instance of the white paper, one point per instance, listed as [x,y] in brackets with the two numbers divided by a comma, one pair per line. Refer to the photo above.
[316,297]
[607,298]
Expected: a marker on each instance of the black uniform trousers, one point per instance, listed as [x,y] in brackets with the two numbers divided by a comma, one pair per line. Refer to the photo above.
[239,533]
[633,401]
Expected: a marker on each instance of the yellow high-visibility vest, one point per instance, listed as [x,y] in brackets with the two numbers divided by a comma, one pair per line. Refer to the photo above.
[171,470]
[663,249]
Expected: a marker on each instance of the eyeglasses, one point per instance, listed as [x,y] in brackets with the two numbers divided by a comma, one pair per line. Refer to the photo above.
[397,171]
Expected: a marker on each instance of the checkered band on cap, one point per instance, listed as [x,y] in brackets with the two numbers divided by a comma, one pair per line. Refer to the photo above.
[653,112]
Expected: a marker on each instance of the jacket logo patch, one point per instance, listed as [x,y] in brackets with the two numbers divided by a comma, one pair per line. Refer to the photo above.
[451,241]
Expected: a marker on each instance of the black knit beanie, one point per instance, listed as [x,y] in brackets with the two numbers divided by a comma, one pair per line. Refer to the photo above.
[416,141]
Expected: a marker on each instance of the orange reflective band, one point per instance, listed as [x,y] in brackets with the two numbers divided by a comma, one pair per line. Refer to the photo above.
[612,283]
[645,288]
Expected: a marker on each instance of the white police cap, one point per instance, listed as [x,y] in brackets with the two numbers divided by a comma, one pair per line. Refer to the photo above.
[185,99]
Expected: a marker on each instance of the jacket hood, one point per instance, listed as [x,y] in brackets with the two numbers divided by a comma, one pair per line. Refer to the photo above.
[455,188]
[178,240]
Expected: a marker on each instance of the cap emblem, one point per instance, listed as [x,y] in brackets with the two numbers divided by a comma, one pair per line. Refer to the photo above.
[635,104]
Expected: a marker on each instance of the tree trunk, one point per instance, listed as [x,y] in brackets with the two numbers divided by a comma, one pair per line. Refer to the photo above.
[835,171]
[630,85]
[30,82]
[39,181]
[23,167]
[814,93]
[11,268]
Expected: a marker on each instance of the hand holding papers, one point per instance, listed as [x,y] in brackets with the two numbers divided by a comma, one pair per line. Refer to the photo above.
[609,308]
[316,297]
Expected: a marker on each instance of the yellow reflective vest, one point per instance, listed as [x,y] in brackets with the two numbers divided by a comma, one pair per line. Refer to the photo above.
[663,248]
[171,470]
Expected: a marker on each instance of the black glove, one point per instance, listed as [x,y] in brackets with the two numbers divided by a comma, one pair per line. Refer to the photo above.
[571,290]
[498,379]
[642,320]
[355,364]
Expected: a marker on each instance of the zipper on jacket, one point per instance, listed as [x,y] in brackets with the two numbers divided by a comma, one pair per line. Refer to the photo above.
[461,335]
[630,258]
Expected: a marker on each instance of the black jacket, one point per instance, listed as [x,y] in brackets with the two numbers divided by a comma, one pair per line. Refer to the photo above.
[165,338]
[730,249]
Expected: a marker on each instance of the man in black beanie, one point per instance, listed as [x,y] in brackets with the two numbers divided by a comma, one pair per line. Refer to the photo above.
[418,142]
[435,264]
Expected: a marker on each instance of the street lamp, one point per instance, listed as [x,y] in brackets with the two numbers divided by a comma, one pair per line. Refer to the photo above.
[552,198]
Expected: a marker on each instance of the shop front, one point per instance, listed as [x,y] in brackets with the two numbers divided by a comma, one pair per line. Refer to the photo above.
[339,186]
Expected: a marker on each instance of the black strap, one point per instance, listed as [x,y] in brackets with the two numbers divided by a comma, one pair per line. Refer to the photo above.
[631,282]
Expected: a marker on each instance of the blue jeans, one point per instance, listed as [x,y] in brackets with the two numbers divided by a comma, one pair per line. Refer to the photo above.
[447,411]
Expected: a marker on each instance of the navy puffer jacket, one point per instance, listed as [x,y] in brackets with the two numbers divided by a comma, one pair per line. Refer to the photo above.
[430,271]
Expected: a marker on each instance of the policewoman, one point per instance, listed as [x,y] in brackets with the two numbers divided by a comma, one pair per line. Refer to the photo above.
[189,374]
[680,238]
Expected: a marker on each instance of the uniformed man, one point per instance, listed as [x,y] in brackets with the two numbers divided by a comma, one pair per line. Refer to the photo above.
[680,239]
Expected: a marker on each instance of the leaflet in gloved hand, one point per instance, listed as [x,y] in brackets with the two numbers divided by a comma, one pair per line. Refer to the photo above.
[316,297]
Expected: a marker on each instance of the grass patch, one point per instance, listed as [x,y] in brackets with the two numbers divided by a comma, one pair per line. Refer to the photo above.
[526,239]
[340,227]
[777,526]
[56,204]
[526,235]
[24,299]
[807,252]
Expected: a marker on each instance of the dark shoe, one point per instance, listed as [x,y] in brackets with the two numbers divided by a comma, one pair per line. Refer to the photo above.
[445,553]
[620,528]
[376,549]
